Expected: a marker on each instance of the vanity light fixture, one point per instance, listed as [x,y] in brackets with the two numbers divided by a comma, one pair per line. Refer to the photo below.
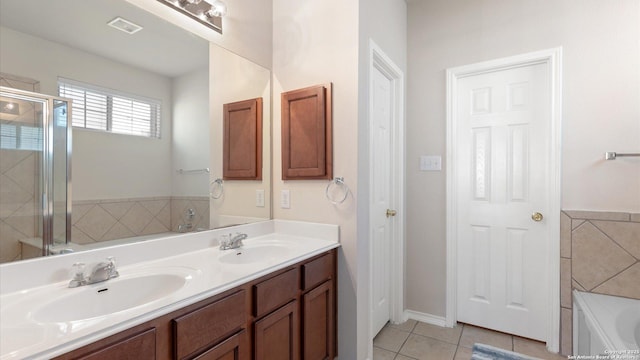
[124,25]
[207,12]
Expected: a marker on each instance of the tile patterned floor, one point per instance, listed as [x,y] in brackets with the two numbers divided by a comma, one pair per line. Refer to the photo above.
[414,340]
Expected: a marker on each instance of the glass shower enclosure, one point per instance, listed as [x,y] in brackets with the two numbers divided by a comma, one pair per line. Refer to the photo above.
[35,173]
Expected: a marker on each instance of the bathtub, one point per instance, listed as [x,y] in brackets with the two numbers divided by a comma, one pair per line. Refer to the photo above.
[606,325]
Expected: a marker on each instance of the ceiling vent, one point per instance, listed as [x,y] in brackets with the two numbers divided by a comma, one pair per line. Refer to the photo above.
[124,25]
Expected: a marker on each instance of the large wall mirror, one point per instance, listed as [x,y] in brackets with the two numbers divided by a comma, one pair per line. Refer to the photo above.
[127,184]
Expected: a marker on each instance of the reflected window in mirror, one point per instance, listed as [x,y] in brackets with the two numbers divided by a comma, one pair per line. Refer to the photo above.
[99,108]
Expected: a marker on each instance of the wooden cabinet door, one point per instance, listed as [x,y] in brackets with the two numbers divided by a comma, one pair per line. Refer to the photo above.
[242,140]
[307,133]
[234,348]
[318,323]
[277,335]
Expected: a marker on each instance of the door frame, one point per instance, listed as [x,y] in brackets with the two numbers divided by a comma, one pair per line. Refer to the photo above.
[378,60]
[553,59]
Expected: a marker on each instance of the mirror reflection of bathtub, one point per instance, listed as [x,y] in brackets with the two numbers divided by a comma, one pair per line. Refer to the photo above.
[32,247]
[606,325]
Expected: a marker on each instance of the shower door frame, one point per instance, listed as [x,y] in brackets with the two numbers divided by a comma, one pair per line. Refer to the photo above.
[46,175]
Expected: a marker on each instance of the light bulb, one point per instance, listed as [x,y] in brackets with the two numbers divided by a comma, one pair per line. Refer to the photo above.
[218,8]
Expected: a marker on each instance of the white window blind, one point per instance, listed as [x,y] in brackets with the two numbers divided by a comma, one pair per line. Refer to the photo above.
[20,137]
[104,109]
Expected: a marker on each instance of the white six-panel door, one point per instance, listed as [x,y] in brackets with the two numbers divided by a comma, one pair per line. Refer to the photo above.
[503,146]
[381,182]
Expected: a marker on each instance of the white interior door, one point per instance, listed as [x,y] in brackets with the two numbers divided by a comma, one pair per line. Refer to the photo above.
[503,126]
[381,170]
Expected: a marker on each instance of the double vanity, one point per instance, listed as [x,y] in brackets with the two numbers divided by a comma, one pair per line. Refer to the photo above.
[180,297]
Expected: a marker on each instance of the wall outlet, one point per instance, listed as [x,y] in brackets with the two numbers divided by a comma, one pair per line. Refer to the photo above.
[431,163]
[285,199]
[260,198]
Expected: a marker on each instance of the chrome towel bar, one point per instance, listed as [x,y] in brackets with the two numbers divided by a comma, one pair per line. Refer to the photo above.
[194,171]
[612,155]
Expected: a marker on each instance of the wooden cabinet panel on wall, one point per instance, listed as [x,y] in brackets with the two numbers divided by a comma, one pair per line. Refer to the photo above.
[307,133]
[242,140]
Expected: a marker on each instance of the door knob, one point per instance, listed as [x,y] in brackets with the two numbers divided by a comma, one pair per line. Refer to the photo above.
[391,212]
[536,216]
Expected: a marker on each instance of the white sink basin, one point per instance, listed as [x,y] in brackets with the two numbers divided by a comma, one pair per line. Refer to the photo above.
[260,252]
[110,297]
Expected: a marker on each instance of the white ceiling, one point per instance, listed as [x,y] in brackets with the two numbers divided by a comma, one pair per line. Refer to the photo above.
[159,47]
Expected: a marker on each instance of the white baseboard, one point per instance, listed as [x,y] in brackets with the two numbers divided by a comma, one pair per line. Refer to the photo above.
[426,318]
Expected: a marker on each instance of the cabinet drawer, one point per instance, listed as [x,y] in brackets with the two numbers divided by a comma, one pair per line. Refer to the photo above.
[317,271]
[203,327]
[275,292]
[141,346]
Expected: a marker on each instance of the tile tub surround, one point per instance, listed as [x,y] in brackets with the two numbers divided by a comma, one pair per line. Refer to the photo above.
[18,203]
[92,221]
[103,220]
[21,281]
[599,253]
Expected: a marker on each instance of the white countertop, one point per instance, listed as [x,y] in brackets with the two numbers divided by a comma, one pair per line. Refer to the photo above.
[27,286]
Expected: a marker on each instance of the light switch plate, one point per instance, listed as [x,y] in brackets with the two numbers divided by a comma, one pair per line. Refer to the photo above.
[430,163]
[260,198]
[285,199]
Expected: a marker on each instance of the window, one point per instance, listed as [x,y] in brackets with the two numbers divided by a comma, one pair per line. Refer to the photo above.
[20,137]
[104,109]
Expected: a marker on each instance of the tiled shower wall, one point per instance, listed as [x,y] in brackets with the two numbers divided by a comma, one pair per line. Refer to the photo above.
[103,220]
[93,220]
[19,208]
[600,253]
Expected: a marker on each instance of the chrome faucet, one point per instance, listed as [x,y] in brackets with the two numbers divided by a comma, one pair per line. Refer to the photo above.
[103,271]
[232,242]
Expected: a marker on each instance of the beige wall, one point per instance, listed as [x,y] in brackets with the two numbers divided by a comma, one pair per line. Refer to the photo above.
[98,155]
[190,133]
[309,50]
[233,78]
[385,23]
[316,42]
[601,109]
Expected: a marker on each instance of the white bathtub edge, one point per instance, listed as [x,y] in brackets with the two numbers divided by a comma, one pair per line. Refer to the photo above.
[600,317]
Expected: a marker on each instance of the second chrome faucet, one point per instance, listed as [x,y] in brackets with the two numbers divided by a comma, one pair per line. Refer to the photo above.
[232,241]
[102,271]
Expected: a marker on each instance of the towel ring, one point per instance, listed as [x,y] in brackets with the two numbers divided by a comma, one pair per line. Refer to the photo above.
[339,181]
[216,184]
